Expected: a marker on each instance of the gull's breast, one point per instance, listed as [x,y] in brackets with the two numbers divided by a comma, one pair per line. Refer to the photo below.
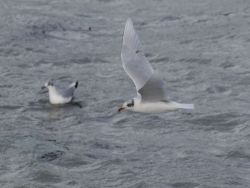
[56,98]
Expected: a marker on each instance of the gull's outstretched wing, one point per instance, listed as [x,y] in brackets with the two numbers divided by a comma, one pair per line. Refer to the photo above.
[148,84]
[133,59]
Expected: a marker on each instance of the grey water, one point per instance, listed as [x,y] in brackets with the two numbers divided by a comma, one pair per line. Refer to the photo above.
[202,50]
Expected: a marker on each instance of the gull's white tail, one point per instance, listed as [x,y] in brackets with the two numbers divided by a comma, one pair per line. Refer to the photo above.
[183,106]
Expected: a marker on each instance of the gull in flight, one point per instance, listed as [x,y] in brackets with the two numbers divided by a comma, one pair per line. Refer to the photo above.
[151,96]
[57,96]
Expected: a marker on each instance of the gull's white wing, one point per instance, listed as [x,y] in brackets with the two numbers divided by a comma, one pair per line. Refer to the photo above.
[133,59]
[153,90]
[148,84]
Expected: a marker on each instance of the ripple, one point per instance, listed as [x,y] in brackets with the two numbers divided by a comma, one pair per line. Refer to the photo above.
[45,176]
[113,162]
[140,184]
[67,35]
[218,89]
[105,1]
[74,161]
[152,122]
[170,18]
[86,60]
[91,155]
[104,145]
[6,86]
[227,65]
[220,121]
[41,30]
[6,52]
[186,41]
[185,185]
[196,60]
[10,107]
[238,154]
[120,120]
[160,59]
[51,156]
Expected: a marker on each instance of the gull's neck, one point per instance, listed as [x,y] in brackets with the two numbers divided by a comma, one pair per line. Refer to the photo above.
[52,91]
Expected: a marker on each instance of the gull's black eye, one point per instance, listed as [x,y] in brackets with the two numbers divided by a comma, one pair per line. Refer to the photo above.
[131,104]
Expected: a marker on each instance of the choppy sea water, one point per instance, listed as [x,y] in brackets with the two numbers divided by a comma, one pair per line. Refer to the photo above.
[202,50]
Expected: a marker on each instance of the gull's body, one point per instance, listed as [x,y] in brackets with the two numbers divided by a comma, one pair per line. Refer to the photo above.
[159,106]
[57,96]
[151,96]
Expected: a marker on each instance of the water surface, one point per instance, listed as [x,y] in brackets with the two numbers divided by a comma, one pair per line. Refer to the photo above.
[201,48]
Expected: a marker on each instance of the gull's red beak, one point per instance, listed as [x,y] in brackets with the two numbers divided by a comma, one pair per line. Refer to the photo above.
[121,109]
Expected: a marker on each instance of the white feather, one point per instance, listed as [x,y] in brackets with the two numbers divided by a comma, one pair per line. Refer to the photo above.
[133,59]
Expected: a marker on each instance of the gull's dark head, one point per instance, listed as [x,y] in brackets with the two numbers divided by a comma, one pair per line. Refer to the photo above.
[47,85]
[128,105]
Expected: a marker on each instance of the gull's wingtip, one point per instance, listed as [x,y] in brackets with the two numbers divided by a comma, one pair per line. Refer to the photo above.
[129,24]
[76,84]
[130,38]
[129,21]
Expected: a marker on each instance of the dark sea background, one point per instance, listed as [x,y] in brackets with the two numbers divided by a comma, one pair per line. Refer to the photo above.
[200,47]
